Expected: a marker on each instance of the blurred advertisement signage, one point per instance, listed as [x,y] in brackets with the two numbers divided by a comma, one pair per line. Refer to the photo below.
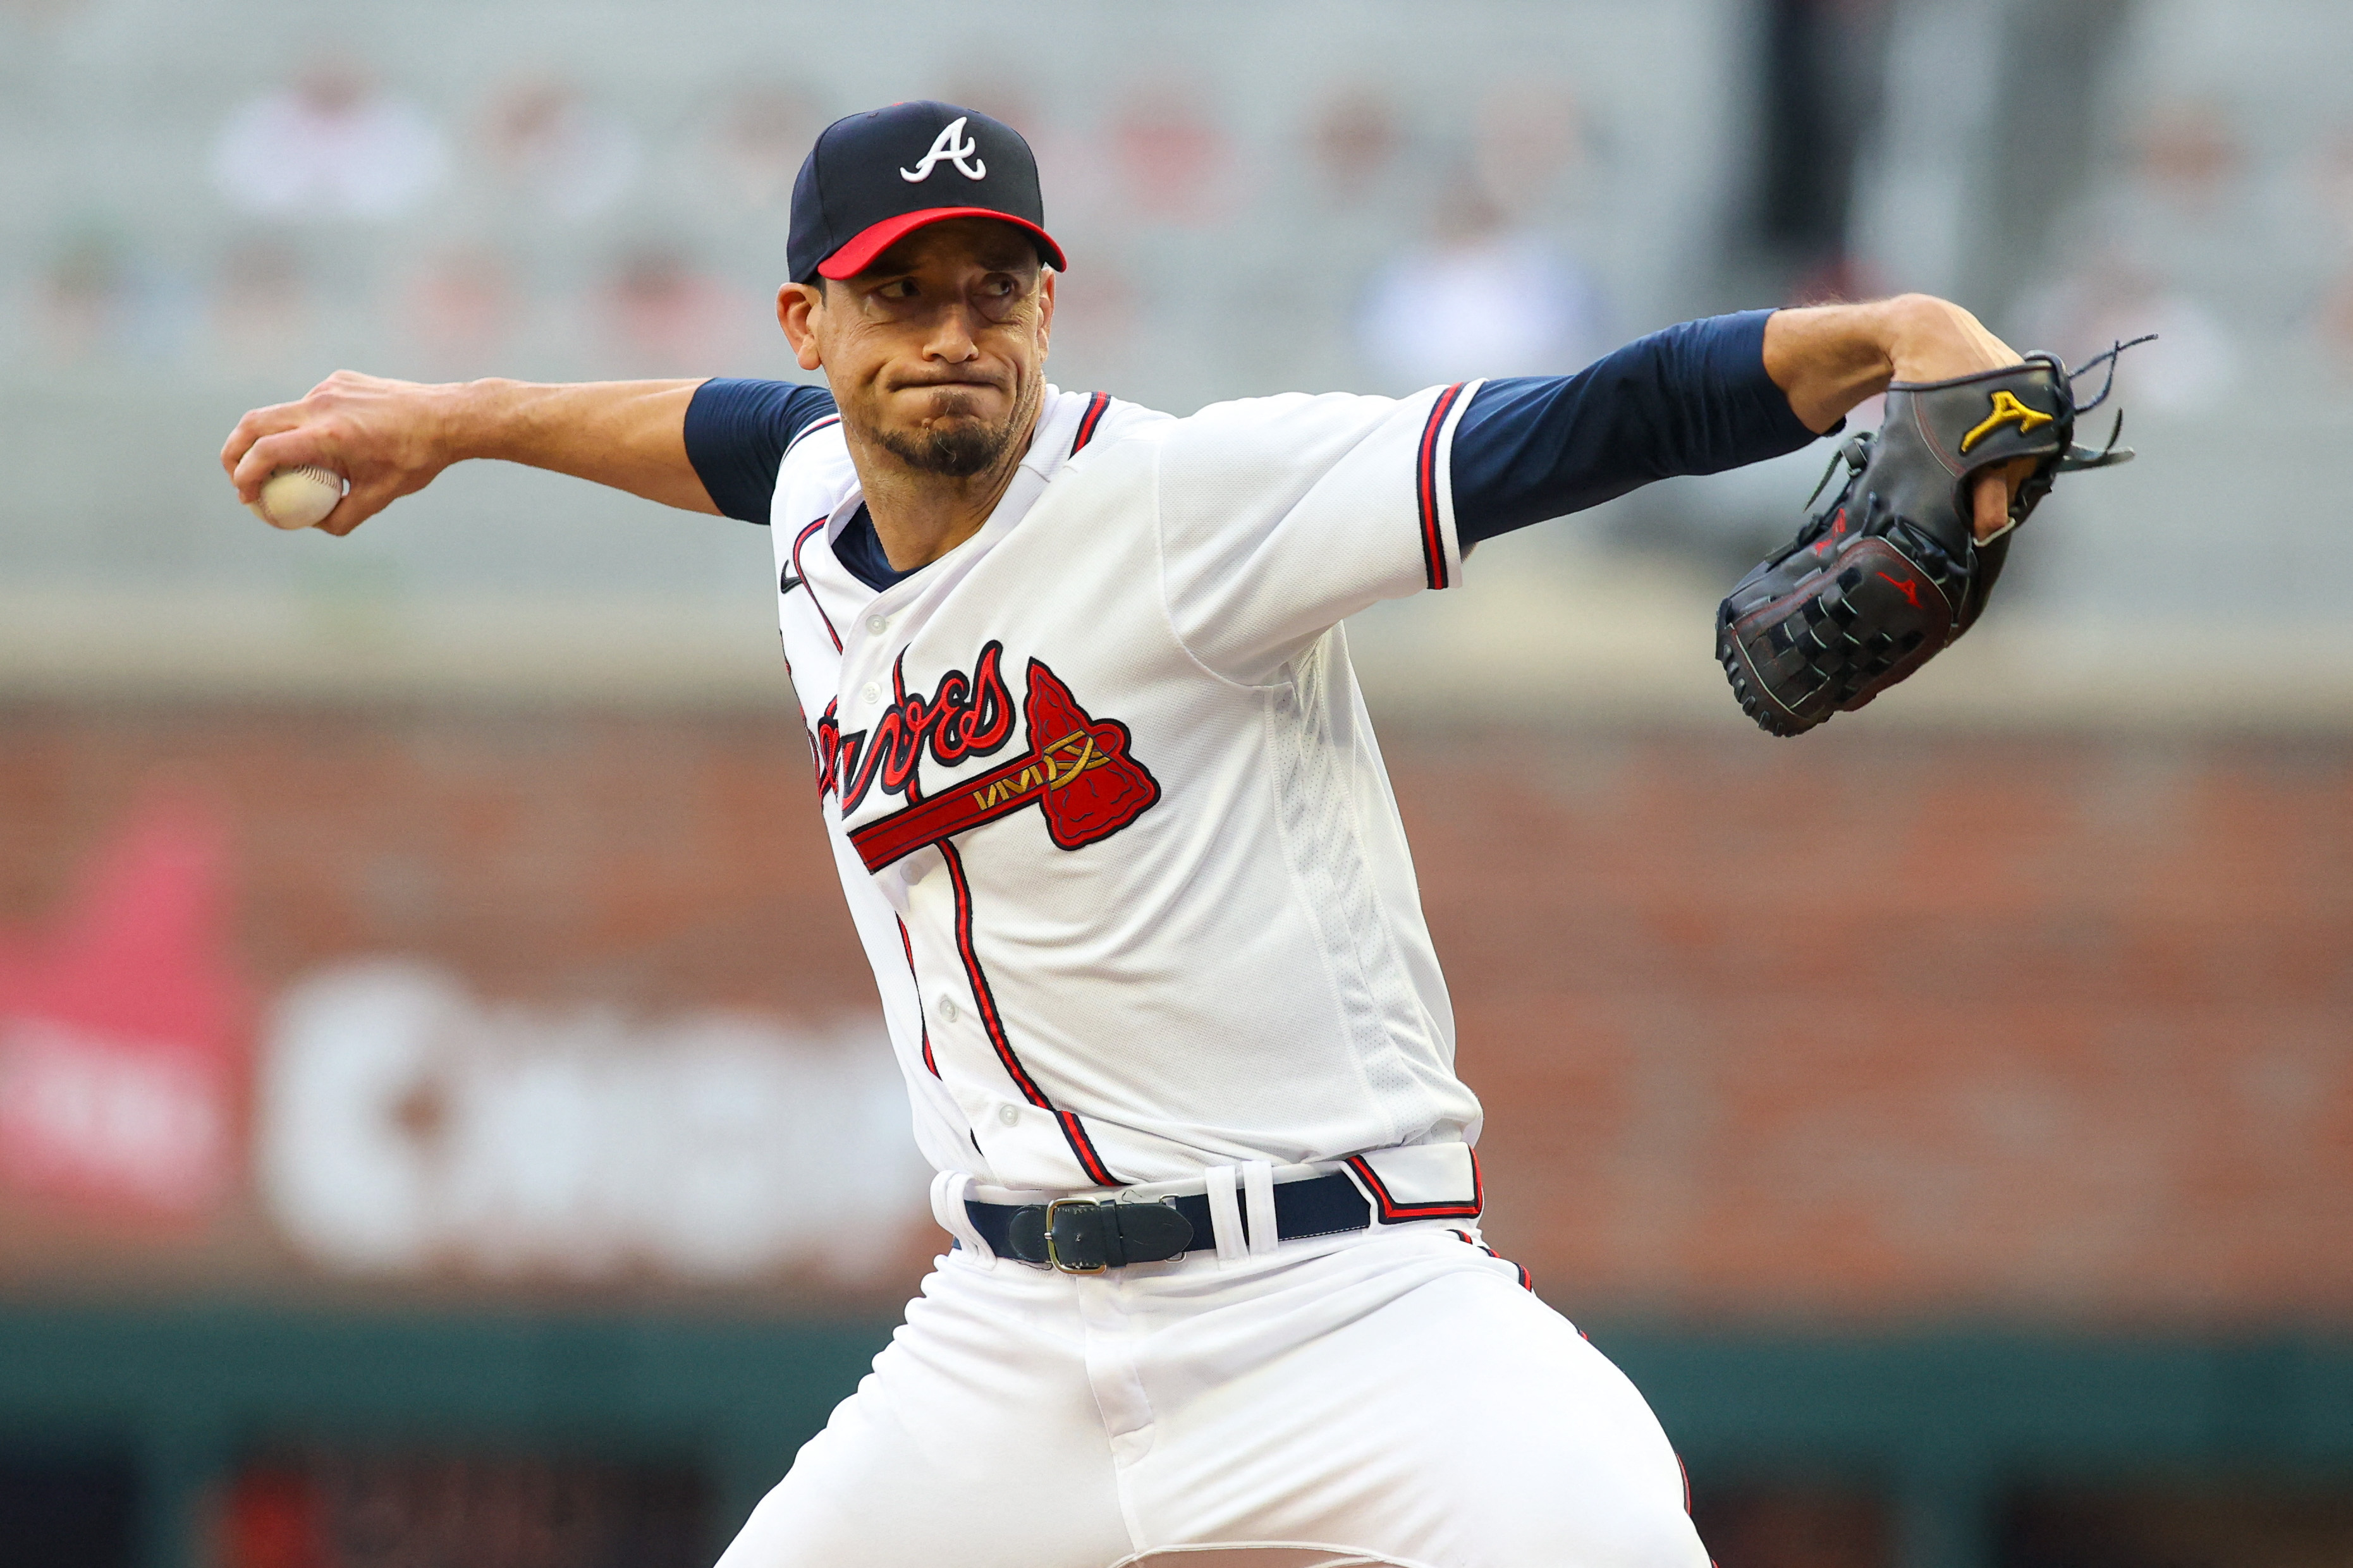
[406,1127]
[119,1034]
[379,1120]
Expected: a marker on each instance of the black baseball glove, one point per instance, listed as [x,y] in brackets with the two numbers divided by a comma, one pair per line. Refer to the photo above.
[1891,570]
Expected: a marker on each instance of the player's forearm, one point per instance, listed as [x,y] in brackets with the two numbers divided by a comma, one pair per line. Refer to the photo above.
[392,438]
[1692,398]
[1828,358]
[629,435]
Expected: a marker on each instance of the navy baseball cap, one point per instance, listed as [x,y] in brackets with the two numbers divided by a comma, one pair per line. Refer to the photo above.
[875,177]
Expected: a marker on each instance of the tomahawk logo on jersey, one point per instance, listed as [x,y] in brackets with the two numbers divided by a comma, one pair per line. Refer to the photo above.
[1077,769]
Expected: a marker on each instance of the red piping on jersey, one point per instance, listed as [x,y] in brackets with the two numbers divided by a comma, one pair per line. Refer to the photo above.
[907,945]
[1083,1147]
[984,999]
[809,588]
[1425,489]
[1089,420]
[809,430]
[1528,1283]
[1393,1212]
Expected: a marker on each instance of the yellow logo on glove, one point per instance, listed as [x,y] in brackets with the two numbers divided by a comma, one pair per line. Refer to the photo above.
[2006,410]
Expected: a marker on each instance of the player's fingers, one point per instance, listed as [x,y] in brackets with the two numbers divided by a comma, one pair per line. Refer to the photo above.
[360,503]
[256,422]
[1996,489]
[1990,503]
[287,449]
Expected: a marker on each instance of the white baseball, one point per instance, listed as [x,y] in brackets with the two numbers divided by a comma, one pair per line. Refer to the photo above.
[298,498]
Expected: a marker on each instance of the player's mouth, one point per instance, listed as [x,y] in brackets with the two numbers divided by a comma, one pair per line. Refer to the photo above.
[949,384]
[949,400]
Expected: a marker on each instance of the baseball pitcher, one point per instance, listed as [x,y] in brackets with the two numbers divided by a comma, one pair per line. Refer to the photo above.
[1119,843]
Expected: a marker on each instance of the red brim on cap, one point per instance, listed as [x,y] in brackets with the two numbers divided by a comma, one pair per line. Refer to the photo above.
[858,254]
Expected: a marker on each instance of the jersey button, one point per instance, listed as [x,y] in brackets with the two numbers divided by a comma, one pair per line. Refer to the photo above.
[869,694]
[947,1010]
[877,624]
[1008,1113]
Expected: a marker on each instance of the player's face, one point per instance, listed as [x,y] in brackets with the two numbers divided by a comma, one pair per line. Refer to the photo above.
[936,353]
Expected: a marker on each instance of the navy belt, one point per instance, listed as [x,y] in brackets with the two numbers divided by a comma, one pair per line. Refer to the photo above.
[1083,1236]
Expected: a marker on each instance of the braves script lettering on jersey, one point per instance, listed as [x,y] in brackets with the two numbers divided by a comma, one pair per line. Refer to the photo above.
[1120,846]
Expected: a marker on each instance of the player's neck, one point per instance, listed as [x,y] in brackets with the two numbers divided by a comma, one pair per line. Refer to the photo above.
[921,516]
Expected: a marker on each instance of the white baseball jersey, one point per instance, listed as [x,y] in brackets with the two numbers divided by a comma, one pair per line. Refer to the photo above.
[1108,808]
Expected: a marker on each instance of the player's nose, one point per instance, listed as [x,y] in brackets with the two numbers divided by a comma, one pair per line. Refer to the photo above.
[955,336]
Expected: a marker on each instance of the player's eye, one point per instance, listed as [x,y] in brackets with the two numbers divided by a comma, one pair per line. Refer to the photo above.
[998,292]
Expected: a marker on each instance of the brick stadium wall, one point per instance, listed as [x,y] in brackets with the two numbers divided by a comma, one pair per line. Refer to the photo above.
[1845,1025]
[1860,1026]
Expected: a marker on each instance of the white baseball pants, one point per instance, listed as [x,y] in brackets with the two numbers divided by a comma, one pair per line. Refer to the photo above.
[1393,1396]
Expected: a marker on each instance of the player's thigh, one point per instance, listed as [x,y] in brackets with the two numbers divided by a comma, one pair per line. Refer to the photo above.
[1519,1442]
[975,1443]
[1569,1463]
[1461,1421]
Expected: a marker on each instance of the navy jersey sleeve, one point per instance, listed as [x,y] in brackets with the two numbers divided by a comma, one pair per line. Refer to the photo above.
[737,433]
[1692,399]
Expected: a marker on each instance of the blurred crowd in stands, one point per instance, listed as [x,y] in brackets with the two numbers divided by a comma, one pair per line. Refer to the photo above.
[1252,201]
[544,210]
[336,153]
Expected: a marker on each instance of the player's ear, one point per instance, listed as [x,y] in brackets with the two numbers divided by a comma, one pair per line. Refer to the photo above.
[797,306]
[1046,276]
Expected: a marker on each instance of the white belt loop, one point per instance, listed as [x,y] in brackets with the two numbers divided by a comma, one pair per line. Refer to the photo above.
[1257,1192]
[1225,1214]
[949,1190]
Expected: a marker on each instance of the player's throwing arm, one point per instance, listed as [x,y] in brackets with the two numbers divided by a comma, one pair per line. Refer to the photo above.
[385,439]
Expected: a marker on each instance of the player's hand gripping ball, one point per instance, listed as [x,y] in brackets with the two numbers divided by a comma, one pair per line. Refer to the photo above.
[1891,572]
[298,498]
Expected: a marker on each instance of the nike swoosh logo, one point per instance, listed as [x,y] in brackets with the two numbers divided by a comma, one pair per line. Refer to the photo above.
[787,583]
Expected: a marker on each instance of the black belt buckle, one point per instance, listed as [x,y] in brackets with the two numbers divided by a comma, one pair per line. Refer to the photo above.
[1053,1253]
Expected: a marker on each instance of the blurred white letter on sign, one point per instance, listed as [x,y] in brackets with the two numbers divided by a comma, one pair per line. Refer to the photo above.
[405,1126]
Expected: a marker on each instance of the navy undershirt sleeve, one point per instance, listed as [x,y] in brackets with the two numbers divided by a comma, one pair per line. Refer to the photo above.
[737,433]
[1692,399]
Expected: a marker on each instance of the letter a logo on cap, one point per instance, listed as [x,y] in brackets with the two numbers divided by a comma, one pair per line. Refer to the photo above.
[956,147]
